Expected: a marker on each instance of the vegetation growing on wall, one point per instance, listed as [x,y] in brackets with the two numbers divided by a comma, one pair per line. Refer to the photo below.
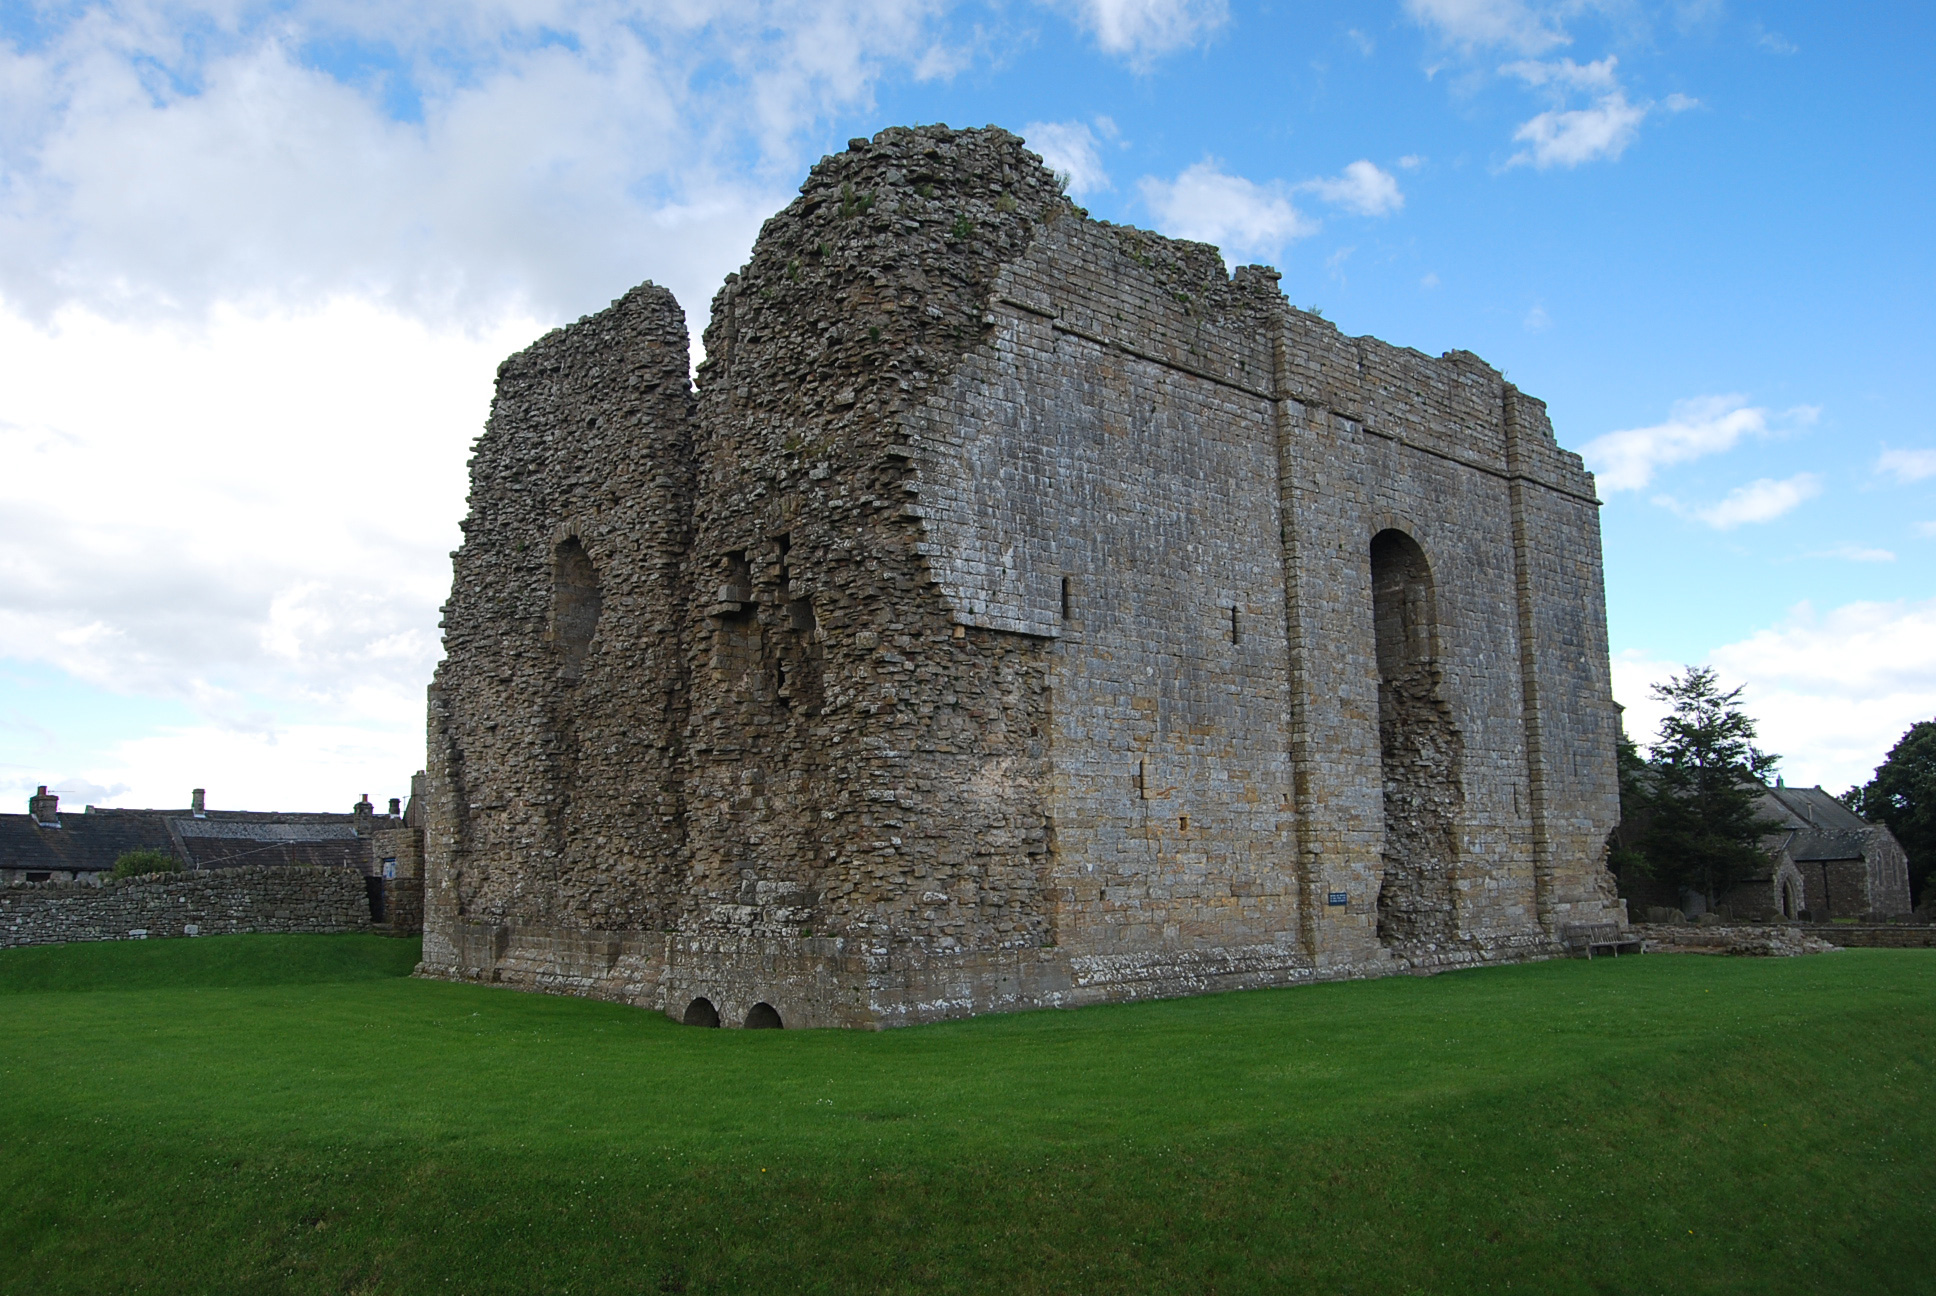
[136,863]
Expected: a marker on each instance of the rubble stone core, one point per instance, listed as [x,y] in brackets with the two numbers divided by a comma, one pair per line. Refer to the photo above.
[1023,611]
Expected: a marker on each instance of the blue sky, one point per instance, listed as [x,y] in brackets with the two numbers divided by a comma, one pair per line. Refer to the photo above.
[257,263]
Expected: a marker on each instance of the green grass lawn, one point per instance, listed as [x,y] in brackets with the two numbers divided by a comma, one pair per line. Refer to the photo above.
[262,1114]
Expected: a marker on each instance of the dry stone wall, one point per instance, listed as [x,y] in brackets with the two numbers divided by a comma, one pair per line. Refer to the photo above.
[212,902]
[995,627]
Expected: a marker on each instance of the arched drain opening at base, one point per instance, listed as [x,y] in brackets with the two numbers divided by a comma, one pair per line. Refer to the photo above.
[763,1017]
[700,1012]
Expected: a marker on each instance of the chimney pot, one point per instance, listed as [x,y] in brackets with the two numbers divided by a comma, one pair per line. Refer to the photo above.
[396,806]
[197,802]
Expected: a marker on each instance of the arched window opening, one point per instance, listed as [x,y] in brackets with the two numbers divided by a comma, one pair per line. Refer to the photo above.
[763,1016]
[1404,604]
[1420,750]
[575,605]
[700,1012]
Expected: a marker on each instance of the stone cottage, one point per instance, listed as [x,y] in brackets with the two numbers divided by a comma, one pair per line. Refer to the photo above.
[1022,610]
[1824,862]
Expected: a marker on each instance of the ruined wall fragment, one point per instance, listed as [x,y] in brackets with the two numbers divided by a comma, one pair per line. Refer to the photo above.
[558,714]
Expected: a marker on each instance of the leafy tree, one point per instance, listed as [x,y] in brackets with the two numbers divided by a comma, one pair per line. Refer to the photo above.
[137,862]
[1626,855]
[1903,795]
[1704,831]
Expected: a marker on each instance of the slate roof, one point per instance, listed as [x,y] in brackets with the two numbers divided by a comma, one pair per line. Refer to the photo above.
[83,843]
[91,841]
[1820,827]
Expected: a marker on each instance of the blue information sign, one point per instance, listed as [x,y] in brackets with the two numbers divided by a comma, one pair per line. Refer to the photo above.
[1337,898]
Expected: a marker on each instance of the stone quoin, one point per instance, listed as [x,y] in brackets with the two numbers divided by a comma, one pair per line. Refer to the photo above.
[1021,611]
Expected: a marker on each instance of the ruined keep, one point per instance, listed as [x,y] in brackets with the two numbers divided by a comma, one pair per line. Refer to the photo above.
[1021,611]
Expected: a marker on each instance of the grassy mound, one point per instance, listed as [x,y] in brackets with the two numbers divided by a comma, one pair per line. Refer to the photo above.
[1666,1123]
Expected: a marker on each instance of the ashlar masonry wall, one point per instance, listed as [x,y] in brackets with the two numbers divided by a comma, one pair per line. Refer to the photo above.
[996,627]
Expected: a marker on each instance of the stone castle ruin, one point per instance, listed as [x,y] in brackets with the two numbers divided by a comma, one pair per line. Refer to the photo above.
[1022,611]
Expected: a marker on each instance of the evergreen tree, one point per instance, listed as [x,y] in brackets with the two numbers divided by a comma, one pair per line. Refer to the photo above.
[1704,830]
[1626,853]
[1903,795]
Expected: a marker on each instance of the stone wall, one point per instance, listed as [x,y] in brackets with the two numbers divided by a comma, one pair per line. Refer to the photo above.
[1874,935]
[1784,937]
[403,906]
[1763,940]
[213,902]
[996,627]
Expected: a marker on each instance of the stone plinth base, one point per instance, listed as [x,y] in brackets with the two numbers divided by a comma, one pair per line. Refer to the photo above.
[829,981]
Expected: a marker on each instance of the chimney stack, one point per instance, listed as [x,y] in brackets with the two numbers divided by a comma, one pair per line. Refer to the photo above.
[396,807]
[44,806]
[365,815]
[413,814]
[196,804]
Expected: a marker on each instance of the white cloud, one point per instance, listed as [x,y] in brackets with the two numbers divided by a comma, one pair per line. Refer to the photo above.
[1335,263]
[1563,135]
[1856,553]
[1907,465]
[559,150]
[1411,162]
[80,792]
[1431,280]
[1361,187]
[1537,320]
[1569,137]
[1208,205]
[1634,672]
[1703,425]
[1566,74]
[1475,24]
[1926,528]
[249,317]
[1070,149]
[252,518]
[300,767]
[1840,690]
[1141,30]
[1831,693]
[1762,500]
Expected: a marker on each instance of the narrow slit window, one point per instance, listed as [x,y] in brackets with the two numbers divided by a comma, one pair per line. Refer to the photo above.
[1236,631]
[1065,598]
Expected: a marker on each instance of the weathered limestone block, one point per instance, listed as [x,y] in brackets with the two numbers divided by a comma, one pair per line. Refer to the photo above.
[1008,619]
